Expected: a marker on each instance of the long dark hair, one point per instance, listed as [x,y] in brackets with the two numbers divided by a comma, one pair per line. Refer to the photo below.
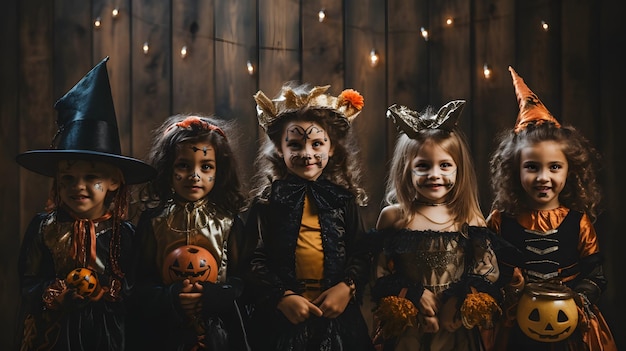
[227,192]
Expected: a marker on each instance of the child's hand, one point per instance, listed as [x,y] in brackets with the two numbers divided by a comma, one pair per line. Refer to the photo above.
[429,324]
[429,304]
[448,316]
[297,309]
[191,298]
[334,300]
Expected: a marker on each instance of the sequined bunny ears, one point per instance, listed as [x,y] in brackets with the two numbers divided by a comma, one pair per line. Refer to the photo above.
[411,122]
[348,104]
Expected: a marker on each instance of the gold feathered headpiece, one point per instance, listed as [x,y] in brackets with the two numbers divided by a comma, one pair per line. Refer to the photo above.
[411,122]
[348,104]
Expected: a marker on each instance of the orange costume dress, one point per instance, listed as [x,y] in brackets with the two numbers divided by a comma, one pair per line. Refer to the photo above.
[554,245]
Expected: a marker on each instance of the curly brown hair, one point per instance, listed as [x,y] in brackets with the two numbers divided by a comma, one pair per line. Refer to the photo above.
[581,192]
[342,169]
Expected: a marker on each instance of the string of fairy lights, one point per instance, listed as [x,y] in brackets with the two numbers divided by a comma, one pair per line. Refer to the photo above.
[374,56]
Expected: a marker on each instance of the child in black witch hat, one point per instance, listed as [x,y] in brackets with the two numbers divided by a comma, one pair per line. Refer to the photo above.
[74,258]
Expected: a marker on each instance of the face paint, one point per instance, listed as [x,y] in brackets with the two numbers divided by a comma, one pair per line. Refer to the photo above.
[98,186]
[203,149]
[306,149]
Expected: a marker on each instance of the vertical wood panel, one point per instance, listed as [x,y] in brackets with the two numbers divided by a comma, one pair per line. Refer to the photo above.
[151,72]
[235,29]
[193,76]
[365,30]
[538,52]
[322,44]
[450,58]
[279,44]
[36,116]
[610,116]
[580,67]
[112,39]
[407,57]
[72,44]
[494,106]
[9,193]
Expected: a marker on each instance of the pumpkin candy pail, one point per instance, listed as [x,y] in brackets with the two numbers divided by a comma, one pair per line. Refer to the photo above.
[547,312]
[189,262]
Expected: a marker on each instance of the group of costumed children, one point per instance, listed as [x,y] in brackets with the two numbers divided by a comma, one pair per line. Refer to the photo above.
[191,274]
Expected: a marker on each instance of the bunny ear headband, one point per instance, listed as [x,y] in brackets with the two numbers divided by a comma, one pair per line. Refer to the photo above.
[412,122]
[347,105]
[531,109]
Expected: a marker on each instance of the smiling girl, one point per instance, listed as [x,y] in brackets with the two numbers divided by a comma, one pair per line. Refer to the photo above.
[308,268]
[545,202]
[435,246]
[190,232]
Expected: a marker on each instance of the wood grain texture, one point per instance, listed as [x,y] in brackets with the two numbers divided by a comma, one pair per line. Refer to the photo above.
[279,44]
[575,68]
[236,43]
[193,76]
[112,39]
[322,44]
[10,174]
[151,72]
[493,104]
[365,30]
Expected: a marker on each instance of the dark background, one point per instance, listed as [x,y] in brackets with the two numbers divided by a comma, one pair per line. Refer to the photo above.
[575,68]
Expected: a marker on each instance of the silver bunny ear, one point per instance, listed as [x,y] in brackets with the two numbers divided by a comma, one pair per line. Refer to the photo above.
[449,114]
[411,122]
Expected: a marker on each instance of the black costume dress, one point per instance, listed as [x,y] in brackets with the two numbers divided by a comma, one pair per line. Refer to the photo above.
[276,223]
[45,259]
[157,321]
[562,245]
[446,263]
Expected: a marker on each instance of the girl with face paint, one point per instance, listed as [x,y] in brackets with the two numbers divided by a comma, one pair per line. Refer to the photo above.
[432,241]
[75,263]
[192,206]
[546,198]
[310,263]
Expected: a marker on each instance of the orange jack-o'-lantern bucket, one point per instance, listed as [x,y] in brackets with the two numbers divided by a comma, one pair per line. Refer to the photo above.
[547,312]
[189,262]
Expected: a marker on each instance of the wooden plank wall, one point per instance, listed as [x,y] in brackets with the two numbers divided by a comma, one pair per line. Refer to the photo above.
[573,67]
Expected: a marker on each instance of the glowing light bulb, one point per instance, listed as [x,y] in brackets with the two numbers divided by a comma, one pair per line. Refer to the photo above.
[97,22]
[145,48]
[374,58]
[449,21]
[250,67]
[424,33]
[115,12]
[487,71]
[321,16]
[183,51]
[545,26]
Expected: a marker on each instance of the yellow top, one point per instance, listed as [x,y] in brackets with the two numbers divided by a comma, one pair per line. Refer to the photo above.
[309,249]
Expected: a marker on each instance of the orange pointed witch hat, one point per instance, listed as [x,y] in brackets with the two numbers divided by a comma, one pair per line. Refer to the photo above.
[531,109]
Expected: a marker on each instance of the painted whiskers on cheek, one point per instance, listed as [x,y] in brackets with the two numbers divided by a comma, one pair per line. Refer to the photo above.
[423,176]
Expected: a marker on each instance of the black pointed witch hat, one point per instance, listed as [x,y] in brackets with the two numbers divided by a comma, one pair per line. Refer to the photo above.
[87,130]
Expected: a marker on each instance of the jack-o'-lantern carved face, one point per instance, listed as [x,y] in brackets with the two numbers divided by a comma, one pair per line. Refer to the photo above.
[189,262]
[84,280]
[547,312]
